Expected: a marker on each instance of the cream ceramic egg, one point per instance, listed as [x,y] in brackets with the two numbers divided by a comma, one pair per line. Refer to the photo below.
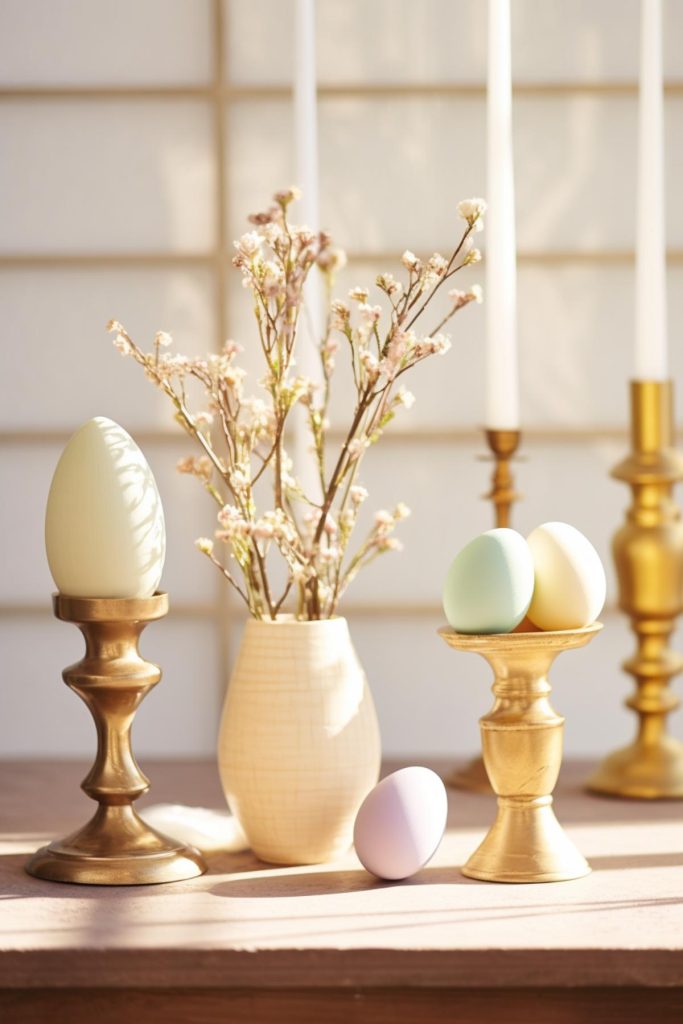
[570,585]
[104,524]
[489,584]
[400,823]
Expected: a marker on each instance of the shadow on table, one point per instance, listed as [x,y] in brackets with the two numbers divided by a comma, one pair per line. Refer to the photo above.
[624,861]
[295,882]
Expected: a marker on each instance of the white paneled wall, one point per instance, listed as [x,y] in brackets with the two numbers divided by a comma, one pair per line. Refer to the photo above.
[135,139]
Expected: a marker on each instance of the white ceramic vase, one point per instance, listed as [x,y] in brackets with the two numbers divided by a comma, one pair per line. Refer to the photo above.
[299,745]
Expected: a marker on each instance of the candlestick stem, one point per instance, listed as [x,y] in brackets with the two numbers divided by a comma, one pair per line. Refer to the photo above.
[503,445]
[115,847]
[648,552]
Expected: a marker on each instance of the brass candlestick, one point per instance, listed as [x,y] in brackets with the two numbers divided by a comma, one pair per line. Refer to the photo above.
[522,744]
[116,847]
[503,445]
[648,552]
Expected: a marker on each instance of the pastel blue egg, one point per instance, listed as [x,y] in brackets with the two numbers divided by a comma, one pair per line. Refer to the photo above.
[490,583]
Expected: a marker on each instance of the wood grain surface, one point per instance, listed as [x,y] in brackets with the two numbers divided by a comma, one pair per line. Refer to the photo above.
[264,943]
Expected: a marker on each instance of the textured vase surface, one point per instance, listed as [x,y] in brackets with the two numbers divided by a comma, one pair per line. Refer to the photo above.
[299,745]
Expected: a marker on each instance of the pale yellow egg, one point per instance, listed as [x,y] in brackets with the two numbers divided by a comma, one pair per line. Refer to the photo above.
[104,524]
[569,578]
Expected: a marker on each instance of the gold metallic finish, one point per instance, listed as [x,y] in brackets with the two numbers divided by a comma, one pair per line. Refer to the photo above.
[116,847]
[503,445]
[648,552]
[522,746]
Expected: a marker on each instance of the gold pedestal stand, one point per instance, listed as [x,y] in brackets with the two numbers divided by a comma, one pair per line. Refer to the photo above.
[503,445]
[522,745]
[116,847]
[648,552]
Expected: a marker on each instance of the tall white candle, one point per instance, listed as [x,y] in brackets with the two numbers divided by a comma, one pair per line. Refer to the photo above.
[650,347]
[502,401]
[306,149]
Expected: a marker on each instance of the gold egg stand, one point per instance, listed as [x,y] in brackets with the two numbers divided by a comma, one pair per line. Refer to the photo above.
[522,753]
[116,847]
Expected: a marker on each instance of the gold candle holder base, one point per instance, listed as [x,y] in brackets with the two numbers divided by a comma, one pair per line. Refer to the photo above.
[648,553]
[116,847]
[522,745]
[503,445]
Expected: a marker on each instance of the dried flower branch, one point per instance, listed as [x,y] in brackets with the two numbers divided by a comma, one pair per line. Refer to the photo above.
[241,439]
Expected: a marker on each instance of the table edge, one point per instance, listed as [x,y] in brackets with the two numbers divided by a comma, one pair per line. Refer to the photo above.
[333,968]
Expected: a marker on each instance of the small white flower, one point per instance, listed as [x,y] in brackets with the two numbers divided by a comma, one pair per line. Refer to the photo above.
[358,494]
[405,398]
[389,284]
[249,244]
[359,294]
[287,195]
[122,345]
[356,446]
[240,479]
[389,544]
[440,344]
[410,261]
[340,315]
[438,264]
[370,365]
[471,209]
[203,419]
[163,338]
[370,313]
[477,293]
[473,256]
[205,545]
[273,234]
[263,530]
[196,466]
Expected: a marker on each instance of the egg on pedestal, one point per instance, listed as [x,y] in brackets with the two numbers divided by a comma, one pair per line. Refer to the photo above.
[104,524]
[569,578]
[489,584]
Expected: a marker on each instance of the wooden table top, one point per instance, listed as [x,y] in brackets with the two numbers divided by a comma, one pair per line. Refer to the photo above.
[245,923]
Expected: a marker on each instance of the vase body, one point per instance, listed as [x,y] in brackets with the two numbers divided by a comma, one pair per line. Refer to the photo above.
[299,746]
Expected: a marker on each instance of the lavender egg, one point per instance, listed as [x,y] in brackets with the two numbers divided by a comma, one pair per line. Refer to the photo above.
[401,823]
